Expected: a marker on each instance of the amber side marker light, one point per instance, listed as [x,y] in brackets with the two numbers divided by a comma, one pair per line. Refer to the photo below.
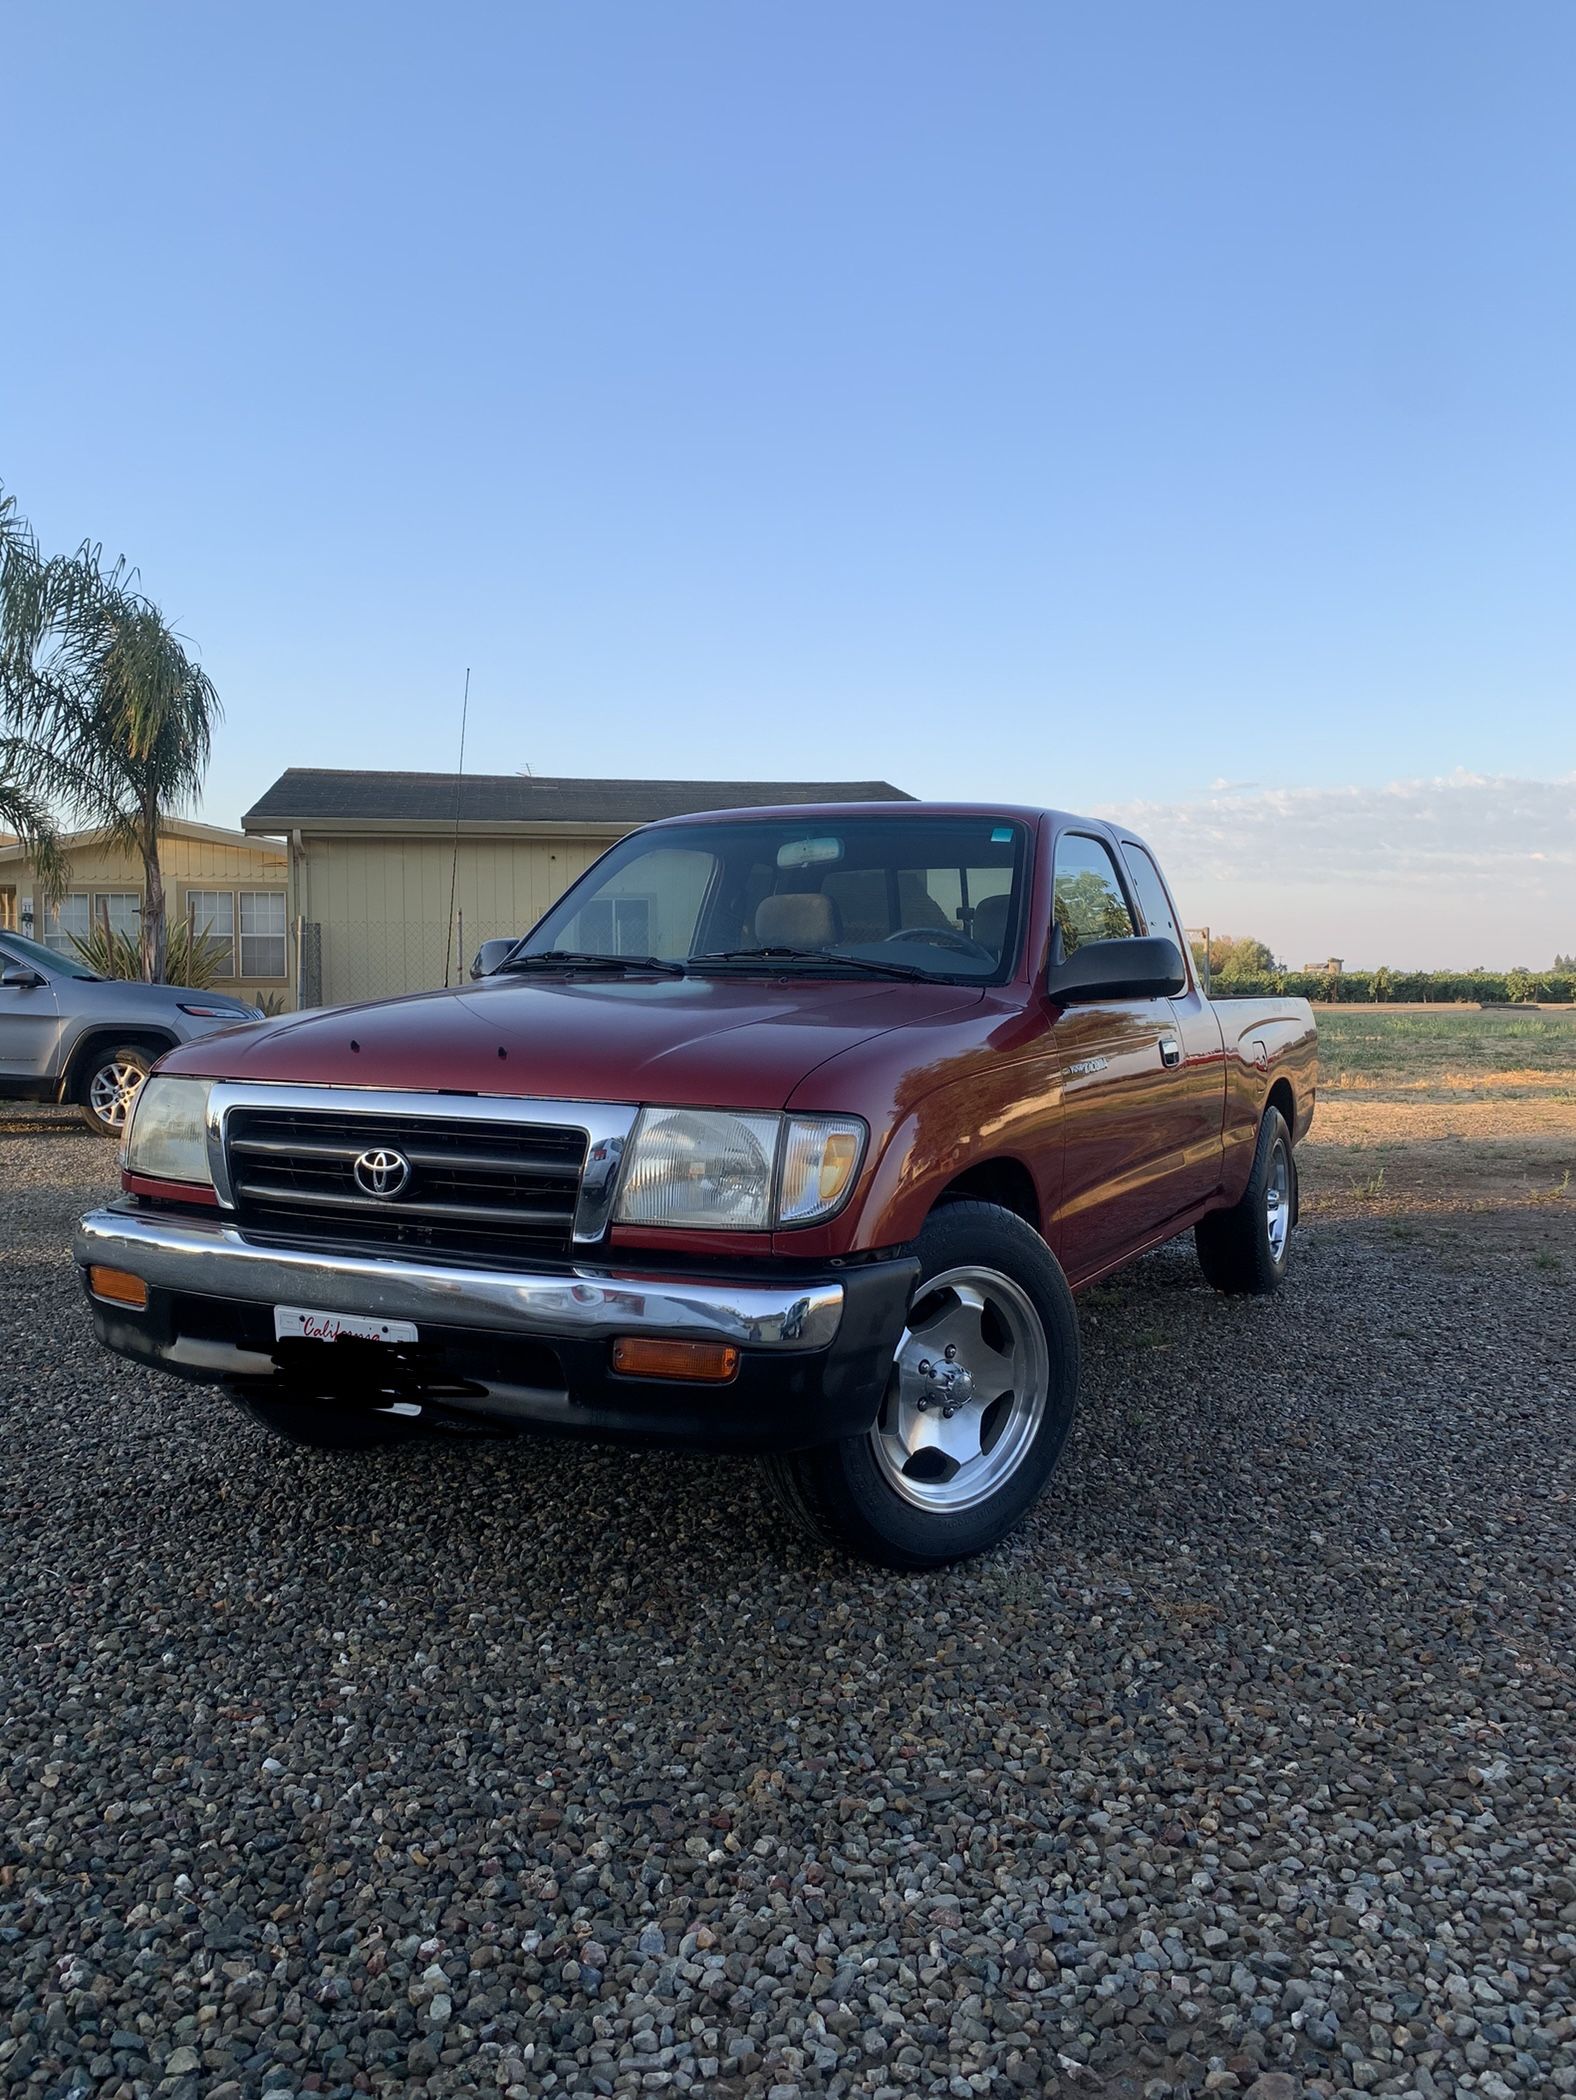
[712,1363]
[119,1287]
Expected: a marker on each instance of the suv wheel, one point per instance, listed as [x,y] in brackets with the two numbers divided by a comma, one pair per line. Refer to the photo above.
[111,1082]
[977,1409]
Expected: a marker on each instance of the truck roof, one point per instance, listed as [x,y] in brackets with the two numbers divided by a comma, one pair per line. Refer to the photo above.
[796,812]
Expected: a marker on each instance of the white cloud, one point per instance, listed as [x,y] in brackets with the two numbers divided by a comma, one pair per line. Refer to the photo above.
[1432,873]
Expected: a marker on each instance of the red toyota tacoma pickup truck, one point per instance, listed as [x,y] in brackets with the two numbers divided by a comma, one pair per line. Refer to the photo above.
[787,1130]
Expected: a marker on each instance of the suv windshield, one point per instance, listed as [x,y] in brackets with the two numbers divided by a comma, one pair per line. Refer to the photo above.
[20,950]
[900,895]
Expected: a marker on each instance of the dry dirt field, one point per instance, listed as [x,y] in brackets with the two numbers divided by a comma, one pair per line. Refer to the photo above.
[1447,1112]
[533,1770]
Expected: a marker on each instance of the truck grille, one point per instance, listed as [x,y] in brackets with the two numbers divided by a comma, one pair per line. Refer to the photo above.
[474,1186]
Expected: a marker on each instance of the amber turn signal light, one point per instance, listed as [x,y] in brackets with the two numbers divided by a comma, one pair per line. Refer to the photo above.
[119,1287]
[712,1363]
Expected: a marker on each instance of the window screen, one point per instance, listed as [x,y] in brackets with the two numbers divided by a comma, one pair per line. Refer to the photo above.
[262,933]
[210,914]
[72,915]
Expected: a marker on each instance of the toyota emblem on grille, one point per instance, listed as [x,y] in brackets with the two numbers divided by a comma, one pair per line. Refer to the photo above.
[381,1173]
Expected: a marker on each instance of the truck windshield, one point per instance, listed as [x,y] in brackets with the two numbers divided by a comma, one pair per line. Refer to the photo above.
[910,896]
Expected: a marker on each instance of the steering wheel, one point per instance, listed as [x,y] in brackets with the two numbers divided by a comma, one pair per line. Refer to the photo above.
[943,937]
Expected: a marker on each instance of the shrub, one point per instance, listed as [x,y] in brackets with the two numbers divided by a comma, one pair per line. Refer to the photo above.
[191,959]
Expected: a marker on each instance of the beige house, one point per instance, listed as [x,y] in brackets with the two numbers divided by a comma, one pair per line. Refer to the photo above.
[397,878]
[231,887]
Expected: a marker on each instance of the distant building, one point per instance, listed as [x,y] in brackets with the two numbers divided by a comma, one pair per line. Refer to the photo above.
[374,859]
[1331,968]
[229,887]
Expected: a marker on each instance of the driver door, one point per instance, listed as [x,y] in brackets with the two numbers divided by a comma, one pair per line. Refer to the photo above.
[29,1022]
[1124,1114]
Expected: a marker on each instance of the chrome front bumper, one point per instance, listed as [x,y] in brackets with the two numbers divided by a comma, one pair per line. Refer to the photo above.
[212,1259]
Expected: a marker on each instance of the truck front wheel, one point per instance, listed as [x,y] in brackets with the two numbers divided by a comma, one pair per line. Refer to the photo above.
[978,1406]
[1245,1249]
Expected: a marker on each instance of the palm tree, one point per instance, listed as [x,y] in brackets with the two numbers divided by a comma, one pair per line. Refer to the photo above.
[93,675]
[25,815]
[24,809]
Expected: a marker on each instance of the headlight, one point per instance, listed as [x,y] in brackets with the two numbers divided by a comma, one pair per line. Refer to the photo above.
[169,1131]
[706,1169]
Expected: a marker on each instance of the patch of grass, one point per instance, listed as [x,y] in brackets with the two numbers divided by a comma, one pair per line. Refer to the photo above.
[1544,1260]
[1367,1046]
[1371,1187]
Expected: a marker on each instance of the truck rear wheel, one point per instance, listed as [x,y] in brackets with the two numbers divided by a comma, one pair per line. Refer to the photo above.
[1246,1248]
[980,1400]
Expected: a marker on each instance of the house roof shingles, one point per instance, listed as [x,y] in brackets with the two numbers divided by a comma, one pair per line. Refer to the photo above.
[309,797]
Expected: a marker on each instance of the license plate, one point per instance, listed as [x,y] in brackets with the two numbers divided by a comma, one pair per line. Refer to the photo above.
[295,1323]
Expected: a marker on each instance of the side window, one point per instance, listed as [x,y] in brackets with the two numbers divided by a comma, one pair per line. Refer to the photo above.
[1152,899]
[1089,904]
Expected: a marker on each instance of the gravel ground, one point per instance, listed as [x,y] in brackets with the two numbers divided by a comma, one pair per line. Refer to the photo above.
[534,1768]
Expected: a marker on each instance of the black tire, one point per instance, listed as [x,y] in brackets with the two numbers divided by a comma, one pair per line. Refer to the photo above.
[1237,1248]
[98,1082]
[324,1424]
[847,1494]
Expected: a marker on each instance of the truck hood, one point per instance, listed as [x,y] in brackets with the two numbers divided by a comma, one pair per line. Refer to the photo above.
[689,1042]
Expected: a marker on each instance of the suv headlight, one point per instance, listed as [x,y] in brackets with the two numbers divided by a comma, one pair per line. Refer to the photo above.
[168,1140]
[708,1169]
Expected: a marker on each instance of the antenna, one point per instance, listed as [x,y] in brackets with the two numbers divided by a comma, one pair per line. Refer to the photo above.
[454,866]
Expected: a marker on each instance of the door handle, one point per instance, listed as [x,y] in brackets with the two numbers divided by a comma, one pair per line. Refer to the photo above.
[1170,1051]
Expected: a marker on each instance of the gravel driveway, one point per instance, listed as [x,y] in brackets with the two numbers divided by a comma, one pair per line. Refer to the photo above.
[534,1768]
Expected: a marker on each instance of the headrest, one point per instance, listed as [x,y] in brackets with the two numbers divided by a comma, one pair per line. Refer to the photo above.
[805,919]
[990,920]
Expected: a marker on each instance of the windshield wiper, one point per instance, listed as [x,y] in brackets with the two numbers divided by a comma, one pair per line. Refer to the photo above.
[572,959]
[866,965]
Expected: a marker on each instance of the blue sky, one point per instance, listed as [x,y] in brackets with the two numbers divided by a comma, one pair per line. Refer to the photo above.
[1107,406]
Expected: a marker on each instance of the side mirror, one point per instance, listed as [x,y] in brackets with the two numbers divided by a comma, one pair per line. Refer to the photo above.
[1135,969]
[21,977]
[491,953]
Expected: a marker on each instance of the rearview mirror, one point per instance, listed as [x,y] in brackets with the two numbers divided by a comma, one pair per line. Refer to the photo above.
[491,953]
[1135,969]
[21,977]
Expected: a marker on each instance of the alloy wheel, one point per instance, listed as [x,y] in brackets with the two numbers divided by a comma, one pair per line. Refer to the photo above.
[969,1387]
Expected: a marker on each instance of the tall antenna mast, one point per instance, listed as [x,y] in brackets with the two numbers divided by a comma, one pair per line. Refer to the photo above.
[454,867]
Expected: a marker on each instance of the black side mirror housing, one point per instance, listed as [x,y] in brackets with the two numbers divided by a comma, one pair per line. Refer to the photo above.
[21,977]
[491,953]
[1151,968]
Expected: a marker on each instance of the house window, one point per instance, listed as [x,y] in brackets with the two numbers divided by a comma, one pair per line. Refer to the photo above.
[246,928]
[79,911]
[614,926]
[262,933]
[210,914]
